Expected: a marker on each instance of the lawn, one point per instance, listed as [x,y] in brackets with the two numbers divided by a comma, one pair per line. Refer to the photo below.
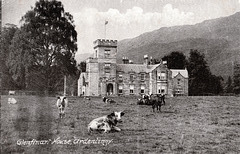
[185,125]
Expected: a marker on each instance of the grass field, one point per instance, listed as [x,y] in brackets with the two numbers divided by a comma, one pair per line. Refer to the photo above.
[185,125]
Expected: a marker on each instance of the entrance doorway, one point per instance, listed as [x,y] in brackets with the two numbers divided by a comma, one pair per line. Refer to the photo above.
[109,89]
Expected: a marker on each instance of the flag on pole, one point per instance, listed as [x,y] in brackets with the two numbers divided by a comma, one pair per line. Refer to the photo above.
[106,22]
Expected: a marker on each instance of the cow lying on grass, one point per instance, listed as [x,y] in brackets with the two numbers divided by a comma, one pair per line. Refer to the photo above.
[108,100]
[106,123]
[62,104]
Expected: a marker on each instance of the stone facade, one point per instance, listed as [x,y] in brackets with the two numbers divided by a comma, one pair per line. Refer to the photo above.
[180,82]
[104,76]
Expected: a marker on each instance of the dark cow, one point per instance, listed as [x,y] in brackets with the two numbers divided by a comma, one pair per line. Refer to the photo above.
[108,100]
[141,101]
[144,100]
[87,98]
[163,98]
[156,101]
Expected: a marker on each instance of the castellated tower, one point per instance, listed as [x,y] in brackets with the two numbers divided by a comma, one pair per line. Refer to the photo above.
[102,68]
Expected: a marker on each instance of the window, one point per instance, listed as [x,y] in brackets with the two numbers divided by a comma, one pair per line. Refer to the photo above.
[120,77]
[161,89]
[159,75]
[142,77]
[131,89]
[142,89]
[178,81]
[107,67]
[107,64]
[179,91]
[107,53]
[120,89]
[163,75]
[131,77]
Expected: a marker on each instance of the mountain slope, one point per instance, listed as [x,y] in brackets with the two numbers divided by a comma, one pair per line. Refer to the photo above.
[219,39]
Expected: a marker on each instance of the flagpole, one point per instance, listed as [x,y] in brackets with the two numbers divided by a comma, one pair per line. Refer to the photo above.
[105,25]
[105,30]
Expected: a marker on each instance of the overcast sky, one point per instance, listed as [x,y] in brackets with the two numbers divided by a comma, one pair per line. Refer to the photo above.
[126,18]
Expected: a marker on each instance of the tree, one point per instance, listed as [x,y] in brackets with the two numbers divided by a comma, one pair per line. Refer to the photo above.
[20,59]
[175,60]
[229,85]
[49,43]
[201,80]
[82,66]
[7,34]
[236,78]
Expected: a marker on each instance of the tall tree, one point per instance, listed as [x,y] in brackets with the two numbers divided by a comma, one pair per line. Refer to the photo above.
[200,78]
[82,66]
[229,85]
[7,35]
[20,58]
[50,44]
[176,60]
[236,78]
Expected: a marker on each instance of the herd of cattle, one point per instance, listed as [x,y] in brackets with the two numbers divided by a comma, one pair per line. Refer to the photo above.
[108,123]
[155,100]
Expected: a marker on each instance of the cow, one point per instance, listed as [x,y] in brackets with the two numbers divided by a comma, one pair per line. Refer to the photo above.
[141,101]
[163,99]
[108,100]
[12,100]
[156,101]
[144,100]
[106,123]
[146,96]
[11,92]
[87,98]
[62,103]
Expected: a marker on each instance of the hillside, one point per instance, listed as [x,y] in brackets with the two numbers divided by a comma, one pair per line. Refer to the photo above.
[218,39]
[82,57]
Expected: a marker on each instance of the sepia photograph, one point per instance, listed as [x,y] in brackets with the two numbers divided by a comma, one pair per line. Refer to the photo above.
[120,76]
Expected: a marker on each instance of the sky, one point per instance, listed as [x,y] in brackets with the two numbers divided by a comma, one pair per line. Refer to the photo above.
[126,18]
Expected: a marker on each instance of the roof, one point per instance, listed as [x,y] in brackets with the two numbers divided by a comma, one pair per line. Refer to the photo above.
[183,72]
[137,68]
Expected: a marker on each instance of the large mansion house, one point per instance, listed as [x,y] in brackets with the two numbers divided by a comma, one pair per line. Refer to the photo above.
[104,76]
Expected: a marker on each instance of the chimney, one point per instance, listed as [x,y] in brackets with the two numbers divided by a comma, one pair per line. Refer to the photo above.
[145,59]
[151,60]
[125,60]
[164,62]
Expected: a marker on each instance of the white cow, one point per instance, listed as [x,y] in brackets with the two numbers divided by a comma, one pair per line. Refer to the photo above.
[11,92]
[12,100]
[62,103]
[106,123]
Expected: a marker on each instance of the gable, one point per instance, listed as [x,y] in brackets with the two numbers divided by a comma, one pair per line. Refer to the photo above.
[182,72]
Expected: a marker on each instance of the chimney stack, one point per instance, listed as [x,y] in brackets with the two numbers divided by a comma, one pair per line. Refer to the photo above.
[125,60]
[164,62]
[145,59]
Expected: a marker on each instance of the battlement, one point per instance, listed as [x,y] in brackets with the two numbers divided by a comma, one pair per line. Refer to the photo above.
[105,43]
[91,60]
